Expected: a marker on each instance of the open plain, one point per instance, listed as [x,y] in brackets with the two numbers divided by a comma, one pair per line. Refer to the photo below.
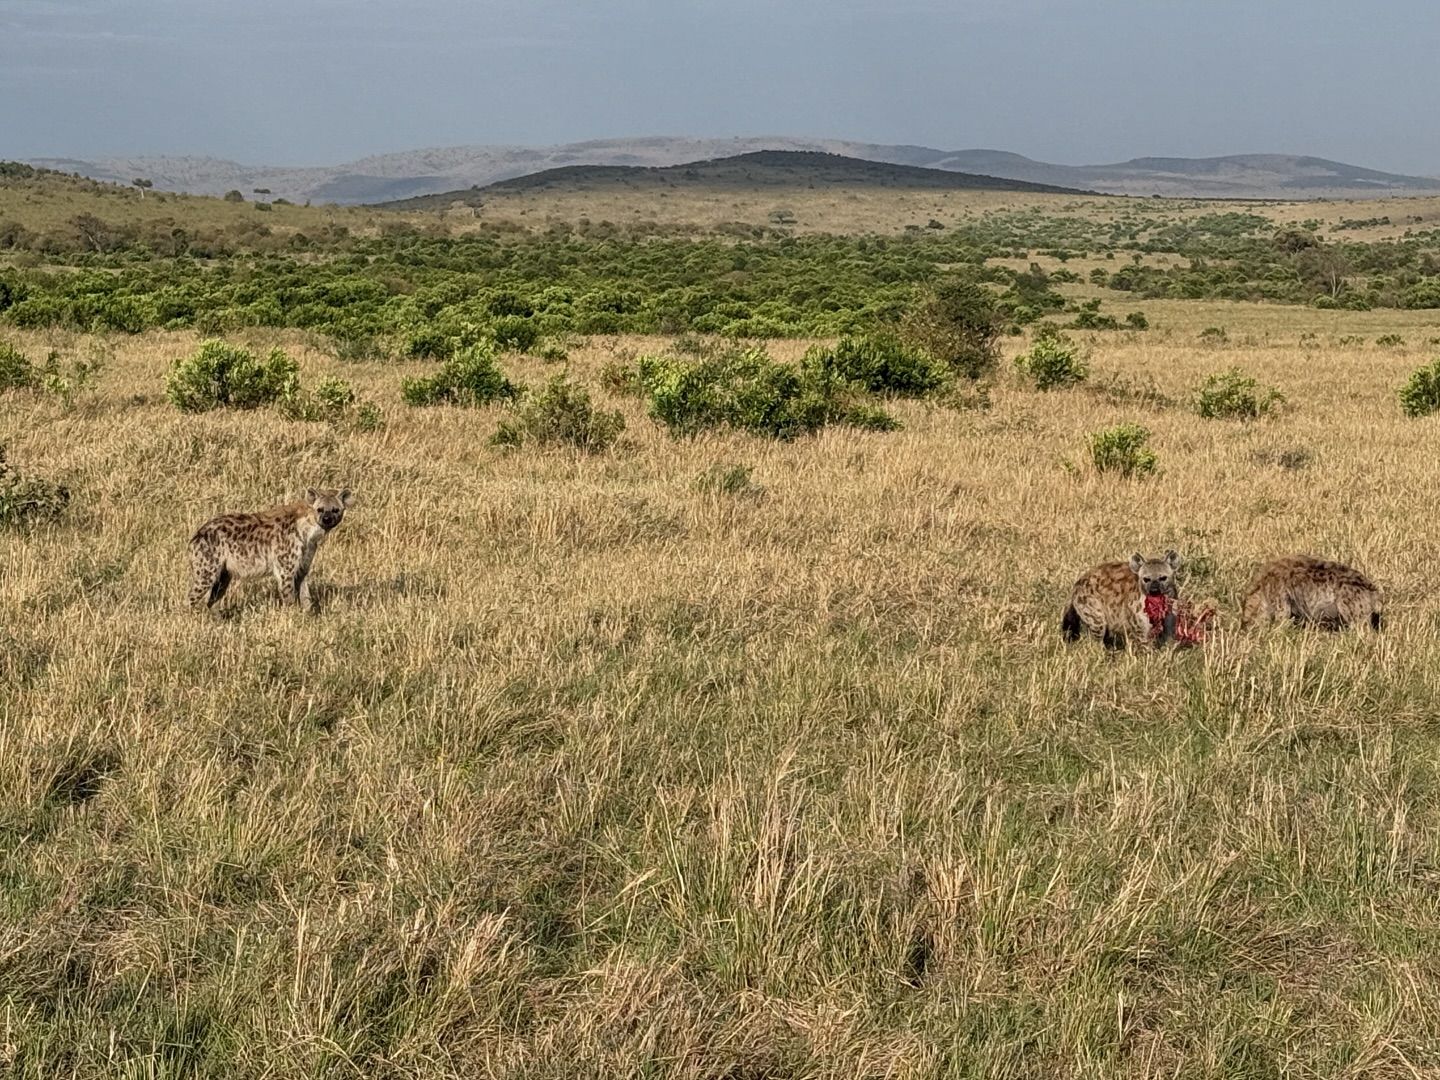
[724,756]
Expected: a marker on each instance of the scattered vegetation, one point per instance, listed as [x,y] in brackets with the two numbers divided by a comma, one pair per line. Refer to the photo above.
[28,500]
[1122,449]
[1233,395]
[561,412]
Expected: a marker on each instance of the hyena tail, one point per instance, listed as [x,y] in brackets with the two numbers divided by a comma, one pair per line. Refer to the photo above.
[1070,626]
[1377,620]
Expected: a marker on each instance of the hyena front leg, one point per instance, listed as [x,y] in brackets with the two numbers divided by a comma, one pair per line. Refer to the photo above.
[302,589]
[287,580]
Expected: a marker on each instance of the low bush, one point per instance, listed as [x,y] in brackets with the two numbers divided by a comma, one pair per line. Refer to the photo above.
[1052,362]
[745,388]
[223,376]
[1233,395]
[1420,396]
[470,377]
[561,412]
[1121,449]
[28,500]
[882,364]
[1390,341]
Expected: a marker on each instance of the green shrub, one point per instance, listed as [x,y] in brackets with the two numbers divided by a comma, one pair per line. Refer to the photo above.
[956,322]
[1420,396]
[1136,320]
[1214,335]
[1233,395]
[16,370]
[1390,340]
[427,343]
[553,352]
[515,333]
[28,500]
[220,376]
[562,412]
[882,364]
[331,400]
[1053,361]
[470,377]
[744,388]
[1122,449]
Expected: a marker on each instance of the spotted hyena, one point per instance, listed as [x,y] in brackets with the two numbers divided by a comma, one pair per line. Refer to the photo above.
[1109,600]
[281,541]
[1306,589]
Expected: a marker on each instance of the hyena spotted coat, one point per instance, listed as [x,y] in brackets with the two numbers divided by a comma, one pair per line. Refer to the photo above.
[1109,600]
[281,541]
[1306,589]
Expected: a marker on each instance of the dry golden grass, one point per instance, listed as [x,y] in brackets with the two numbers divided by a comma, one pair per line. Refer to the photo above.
[581,771]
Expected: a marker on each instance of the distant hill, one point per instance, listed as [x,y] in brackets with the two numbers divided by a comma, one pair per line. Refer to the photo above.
[758,169]
[391,177]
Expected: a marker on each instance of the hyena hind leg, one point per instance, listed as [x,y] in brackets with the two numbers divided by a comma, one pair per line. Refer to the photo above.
[209,587]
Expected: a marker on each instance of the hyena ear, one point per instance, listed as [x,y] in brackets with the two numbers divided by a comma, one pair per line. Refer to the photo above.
[346,497]
[1136,561]
[310,496]
[1173,559]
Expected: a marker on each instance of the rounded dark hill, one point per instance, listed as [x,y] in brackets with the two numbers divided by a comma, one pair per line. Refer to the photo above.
[758,169]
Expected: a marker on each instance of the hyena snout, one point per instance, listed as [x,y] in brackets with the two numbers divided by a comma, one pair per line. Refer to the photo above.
[330,518]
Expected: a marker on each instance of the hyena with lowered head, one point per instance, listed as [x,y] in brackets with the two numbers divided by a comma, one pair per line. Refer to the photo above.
[1109,600]
[1306,589]
[281,541]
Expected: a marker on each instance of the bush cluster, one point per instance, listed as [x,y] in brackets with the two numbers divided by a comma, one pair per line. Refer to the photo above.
[224,376]
[470,376]
[1052,362]
[560,413]
[1233,395]
[746,389]
[1122,449]
[881,363]
[1420,396]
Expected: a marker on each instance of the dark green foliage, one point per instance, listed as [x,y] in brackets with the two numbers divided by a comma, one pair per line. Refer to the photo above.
[223,376]
[745,388]
[28,500]
[1420,396]
[1391,341]
[882,364]
[1233,395]
[1121,449]
[1053,362]
[470,377]
[515,333]
[16,370]
[1136,320]
[561,412]
[958,323]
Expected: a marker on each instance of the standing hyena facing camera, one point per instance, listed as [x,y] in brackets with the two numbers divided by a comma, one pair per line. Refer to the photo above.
[1109,600]
[1304,589]
[281,541]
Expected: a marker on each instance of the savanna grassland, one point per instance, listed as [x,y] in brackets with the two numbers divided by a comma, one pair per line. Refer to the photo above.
[714,755]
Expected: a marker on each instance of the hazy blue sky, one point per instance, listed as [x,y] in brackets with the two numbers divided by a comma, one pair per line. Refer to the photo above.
[1077,81]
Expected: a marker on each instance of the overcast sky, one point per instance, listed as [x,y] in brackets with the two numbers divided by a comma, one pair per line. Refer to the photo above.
[1076,81]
